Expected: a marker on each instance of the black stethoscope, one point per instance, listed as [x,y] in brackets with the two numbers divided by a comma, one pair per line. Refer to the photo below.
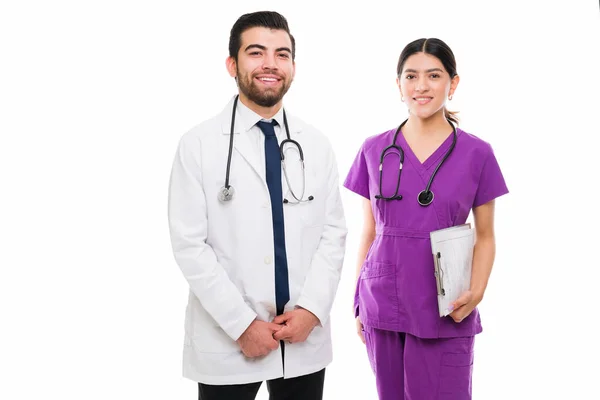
[226,193]
[425,197]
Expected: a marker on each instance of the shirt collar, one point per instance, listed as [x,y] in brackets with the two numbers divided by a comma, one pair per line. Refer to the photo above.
[249,118]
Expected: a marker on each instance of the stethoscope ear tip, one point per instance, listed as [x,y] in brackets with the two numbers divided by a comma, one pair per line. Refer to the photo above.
[310,198]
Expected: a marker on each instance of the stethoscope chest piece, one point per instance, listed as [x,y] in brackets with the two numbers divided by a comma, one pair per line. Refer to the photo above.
[425,197]
[226,194]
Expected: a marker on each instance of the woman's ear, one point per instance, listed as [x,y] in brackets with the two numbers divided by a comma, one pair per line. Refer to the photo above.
[453,85]
[399,88]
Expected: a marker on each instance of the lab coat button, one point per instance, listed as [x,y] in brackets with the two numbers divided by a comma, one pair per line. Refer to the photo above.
[268,260]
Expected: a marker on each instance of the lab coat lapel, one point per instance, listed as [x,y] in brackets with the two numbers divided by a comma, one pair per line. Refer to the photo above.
[244,146]
[241,141]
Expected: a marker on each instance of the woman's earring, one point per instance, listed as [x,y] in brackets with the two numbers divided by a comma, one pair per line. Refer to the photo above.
[450,97]
[402,98]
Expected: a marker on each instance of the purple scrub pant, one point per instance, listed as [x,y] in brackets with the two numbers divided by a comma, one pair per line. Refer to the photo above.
[410,368]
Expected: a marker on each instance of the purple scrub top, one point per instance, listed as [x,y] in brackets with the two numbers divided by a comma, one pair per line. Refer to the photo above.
[396,289]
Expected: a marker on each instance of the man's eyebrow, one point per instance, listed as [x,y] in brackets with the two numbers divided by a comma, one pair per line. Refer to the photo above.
[261,47]
[258,46]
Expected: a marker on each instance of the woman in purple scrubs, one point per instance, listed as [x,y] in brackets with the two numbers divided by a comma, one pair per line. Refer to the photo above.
[414,353]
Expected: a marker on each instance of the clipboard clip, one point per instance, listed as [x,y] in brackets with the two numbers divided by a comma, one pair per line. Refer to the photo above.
[439,274]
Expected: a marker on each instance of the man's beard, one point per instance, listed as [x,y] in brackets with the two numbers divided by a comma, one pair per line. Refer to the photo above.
[267,97]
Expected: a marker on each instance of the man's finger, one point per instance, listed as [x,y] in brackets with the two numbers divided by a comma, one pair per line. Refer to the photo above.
[280,319]
[275,327]
[283,333]
[273,344]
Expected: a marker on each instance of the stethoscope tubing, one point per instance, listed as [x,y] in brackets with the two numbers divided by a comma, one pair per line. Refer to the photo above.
[425,197]
[227,191]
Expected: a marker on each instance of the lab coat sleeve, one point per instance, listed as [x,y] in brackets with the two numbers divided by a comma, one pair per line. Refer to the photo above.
[188,228]
[325,270]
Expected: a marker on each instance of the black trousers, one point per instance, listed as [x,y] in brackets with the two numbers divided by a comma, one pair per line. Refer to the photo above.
[307,387]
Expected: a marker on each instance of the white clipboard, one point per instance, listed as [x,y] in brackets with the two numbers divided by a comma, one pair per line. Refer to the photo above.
[452,250]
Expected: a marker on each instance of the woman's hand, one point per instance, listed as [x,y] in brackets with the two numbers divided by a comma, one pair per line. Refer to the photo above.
[464,305]
[359,329]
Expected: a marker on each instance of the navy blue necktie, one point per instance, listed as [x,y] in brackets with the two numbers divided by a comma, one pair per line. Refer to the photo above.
[273,174]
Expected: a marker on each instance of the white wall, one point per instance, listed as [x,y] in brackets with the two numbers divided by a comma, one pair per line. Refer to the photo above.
[95,95]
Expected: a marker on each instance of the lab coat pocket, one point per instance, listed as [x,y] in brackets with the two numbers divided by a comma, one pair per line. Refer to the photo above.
[319,335]
[311,237]
[310,212]
[378,297]
[312,223]
[206,336]
[455,376]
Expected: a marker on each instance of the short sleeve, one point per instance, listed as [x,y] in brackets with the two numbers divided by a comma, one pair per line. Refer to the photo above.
[358,176]
[491,181]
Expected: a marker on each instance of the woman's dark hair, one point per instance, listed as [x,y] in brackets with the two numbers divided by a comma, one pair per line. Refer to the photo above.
[438,49]
[265,19]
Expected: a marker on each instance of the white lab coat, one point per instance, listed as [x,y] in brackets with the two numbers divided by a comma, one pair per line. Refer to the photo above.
[225,250]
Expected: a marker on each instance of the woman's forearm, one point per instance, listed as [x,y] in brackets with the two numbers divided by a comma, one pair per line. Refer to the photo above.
[484,253]
[367,236]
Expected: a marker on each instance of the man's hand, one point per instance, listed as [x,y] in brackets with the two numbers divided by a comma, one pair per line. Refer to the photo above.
[464,305]
[297,325]
[257,340]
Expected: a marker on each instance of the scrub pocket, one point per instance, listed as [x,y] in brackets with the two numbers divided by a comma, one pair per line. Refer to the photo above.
[455,376]
[378,297]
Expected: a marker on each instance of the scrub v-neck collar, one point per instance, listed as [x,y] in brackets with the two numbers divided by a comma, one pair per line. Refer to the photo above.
[434,158]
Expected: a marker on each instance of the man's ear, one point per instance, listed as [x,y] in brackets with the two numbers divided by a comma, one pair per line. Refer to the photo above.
[231,65]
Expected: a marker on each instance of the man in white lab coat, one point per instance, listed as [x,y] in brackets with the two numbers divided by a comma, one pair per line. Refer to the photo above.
[258,234]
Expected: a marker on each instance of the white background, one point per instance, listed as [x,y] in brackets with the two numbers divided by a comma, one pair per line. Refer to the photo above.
[95,95]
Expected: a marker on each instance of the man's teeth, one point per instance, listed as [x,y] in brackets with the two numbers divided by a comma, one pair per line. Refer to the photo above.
[268,79]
